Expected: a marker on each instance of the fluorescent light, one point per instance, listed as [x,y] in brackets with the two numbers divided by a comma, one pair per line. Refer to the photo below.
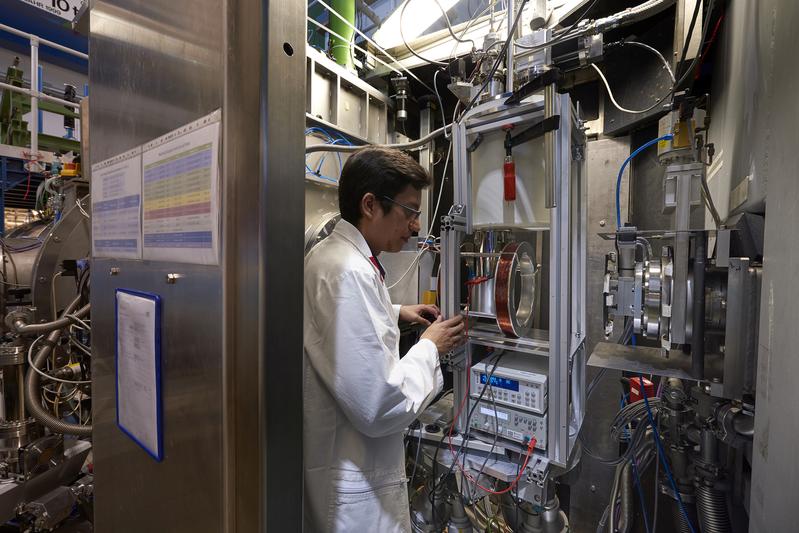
[420,15]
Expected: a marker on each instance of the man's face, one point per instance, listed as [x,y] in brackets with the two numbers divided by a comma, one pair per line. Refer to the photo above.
[389,231]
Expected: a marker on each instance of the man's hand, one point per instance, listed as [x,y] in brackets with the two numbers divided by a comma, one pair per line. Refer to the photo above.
[446,334]
[419,314]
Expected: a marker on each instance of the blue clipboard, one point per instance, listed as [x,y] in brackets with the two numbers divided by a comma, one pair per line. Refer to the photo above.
[157,451]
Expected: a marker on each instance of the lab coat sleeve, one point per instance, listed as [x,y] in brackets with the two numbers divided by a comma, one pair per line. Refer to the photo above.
[356,356]
[397,308]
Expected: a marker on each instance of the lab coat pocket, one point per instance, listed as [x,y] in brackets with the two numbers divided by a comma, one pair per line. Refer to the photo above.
[380,509]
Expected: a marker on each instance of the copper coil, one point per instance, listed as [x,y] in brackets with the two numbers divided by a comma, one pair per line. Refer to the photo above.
[515,320]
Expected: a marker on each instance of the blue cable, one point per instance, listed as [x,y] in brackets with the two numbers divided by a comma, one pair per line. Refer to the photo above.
[641,495]
[662,455]
[637,151]
[330,140]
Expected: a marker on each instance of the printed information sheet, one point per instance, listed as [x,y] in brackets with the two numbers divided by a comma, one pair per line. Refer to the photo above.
[180,194]
[116,206]
[138,369]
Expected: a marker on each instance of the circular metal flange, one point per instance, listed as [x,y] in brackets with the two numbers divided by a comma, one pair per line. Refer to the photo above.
[12,354]
[320,231]
[19,314]
[639,316]
[515,319]
[652,298]
[15,434]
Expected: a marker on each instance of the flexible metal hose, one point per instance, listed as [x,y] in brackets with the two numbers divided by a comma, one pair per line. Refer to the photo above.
[45,327]
[626,515]
[33,398]
[679,518]
[711,506]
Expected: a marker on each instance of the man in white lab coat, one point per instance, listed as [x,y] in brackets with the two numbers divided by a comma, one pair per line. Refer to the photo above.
[359,395]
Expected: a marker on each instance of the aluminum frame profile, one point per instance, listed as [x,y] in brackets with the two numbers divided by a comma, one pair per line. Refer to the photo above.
[568,260]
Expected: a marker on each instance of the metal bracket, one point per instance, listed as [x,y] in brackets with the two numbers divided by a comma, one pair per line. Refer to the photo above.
[539,129]
[551,76]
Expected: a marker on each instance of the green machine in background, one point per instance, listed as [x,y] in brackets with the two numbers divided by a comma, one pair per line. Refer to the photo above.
[14,106]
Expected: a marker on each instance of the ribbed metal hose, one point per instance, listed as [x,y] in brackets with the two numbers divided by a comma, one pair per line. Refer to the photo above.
[711,505]
[679,519]
[33,397]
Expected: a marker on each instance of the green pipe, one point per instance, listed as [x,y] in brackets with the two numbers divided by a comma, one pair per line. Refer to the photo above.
[341,49]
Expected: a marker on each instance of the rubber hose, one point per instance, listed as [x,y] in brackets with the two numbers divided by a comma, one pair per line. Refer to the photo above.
[711,506]
[33,398]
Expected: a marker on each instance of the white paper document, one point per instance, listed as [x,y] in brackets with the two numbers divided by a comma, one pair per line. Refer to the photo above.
[138,370]
[180,188]
[116,206]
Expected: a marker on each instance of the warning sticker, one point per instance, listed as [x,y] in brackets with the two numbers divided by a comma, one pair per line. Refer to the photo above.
[65,9]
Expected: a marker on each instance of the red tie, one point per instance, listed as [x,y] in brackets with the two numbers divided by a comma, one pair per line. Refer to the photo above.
[379,267]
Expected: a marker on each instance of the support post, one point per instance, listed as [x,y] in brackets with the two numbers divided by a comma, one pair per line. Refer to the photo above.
[34,127]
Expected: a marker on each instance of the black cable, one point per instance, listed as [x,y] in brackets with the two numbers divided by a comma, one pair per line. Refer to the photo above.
[500,57]
[690,33]
[705,28]
[681,80]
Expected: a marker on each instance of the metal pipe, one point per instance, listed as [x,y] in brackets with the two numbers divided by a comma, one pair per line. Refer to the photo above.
[373,43]
[366,10]
[549,150]
[698,329]
[400,146]
[45,42]
[39,94]
[34,125]
[20,393]
[511,48]
[20,326]
[365,51]
[33,397]
[744,425]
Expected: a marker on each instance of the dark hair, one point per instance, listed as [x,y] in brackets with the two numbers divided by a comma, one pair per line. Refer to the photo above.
[380,171]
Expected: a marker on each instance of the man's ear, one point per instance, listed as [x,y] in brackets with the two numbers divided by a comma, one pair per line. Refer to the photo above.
[369,206]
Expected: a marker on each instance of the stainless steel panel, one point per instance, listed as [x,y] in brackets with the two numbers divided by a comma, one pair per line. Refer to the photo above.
[231,334]
[127,480]
[645,360]
[280,233]
[771,130]
[603,159]
[746,114]
[150,72]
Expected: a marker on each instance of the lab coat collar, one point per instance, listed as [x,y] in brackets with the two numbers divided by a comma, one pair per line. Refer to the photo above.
[353,235]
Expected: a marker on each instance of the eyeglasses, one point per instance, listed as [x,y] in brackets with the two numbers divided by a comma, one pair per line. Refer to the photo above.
[413,213]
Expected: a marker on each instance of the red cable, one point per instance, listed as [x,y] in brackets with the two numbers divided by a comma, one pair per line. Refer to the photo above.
[709,44]
[530,445]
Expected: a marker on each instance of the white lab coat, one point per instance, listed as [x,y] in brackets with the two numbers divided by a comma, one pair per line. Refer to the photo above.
[358,394]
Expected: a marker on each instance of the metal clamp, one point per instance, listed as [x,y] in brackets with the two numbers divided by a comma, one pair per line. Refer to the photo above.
[550,77]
